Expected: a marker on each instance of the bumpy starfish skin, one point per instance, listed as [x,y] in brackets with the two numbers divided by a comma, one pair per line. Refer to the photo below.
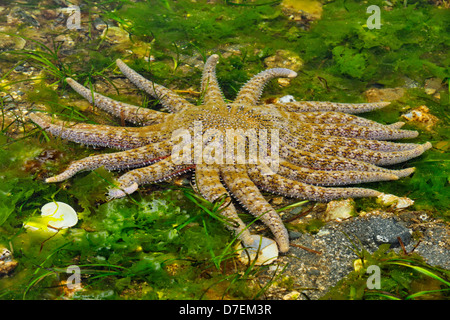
[126,111]
[310,148]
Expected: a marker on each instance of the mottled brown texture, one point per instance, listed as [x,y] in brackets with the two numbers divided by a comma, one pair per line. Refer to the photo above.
[304,147]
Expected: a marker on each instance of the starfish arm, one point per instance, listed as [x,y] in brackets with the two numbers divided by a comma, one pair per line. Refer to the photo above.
[116,161]
[128,112]
[252,90]
[168,98]
[331,117]
[325,162]
[350,142]
[369,156]
[396,125]
[277,184]
[156,172]
[361,132]
[302,106]
[208,182]
[240,185]
[331,178]
[210,86]
[99,135]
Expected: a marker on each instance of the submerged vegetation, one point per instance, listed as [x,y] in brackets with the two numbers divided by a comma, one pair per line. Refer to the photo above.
[401,276]
[164,242]
[140,247]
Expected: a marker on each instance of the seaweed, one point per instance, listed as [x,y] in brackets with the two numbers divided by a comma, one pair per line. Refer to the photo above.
[342,44]
[155,246]
[387,275]
[160,243]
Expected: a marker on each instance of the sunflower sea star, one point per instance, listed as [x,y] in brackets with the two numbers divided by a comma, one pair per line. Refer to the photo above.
[318,146]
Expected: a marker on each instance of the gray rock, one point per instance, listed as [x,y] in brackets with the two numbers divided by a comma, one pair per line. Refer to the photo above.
[335,248]
[376,231]
[99,24]
[25,17]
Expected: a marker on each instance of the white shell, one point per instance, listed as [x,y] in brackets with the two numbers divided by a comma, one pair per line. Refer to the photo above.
[64,214]
[286,99]
[268,251]
[339,210]
[394,201]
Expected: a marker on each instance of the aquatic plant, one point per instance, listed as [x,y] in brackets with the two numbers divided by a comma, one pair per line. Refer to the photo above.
[402,276]
[163,245]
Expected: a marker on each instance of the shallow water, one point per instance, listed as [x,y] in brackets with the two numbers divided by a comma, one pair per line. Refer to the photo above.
[158,244]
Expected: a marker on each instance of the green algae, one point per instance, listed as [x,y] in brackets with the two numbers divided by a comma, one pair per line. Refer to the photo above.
[157,244]
[119,246]
[193,25]
[401,276]
[399,48]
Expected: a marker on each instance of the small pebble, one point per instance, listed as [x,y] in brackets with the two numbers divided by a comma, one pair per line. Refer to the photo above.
[287,98]
[267,254]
